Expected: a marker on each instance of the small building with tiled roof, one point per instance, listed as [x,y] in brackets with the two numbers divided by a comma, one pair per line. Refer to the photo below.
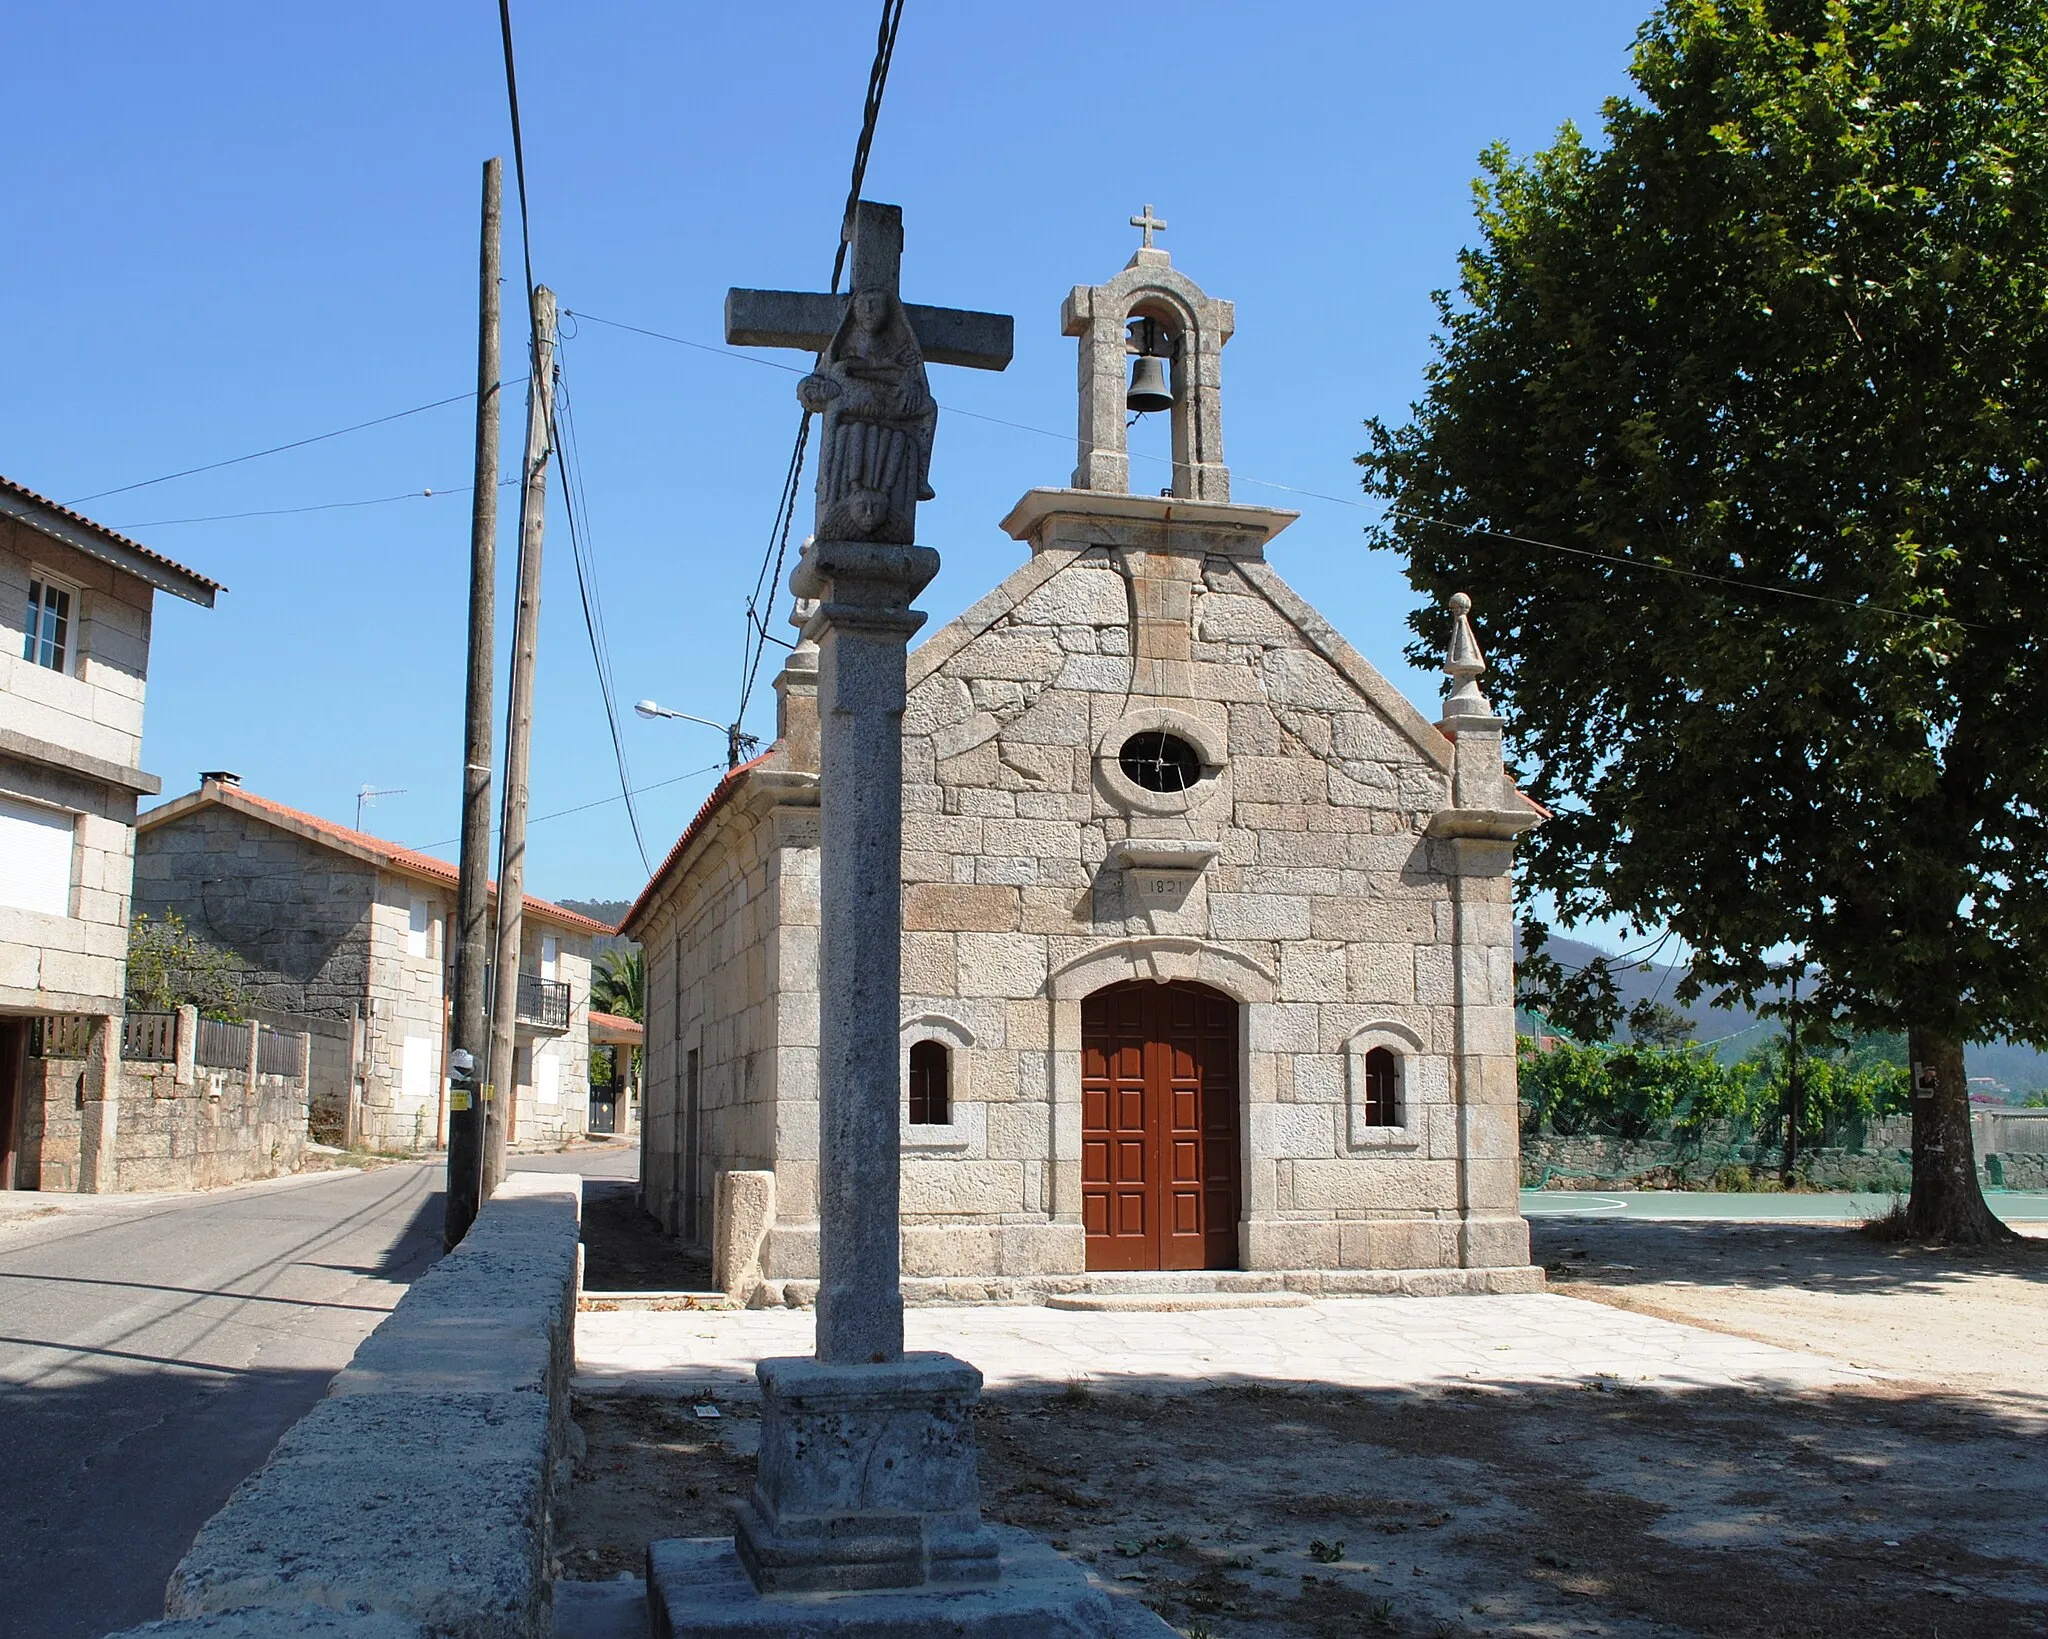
[336,925]
[76,600]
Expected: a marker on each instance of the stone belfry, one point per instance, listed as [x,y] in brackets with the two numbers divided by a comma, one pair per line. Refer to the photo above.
[1151,309]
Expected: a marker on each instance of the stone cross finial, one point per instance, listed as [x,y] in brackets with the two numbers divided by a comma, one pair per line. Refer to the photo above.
[1463,703]
[1147,223]
[869,386]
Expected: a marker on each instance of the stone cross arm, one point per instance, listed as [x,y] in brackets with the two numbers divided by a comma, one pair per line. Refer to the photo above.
[807,322]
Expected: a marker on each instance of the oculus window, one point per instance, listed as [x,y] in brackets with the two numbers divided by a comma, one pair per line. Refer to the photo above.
[1157,761]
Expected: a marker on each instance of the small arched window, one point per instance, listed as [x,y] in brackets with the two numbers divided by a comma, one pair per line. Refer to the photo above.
[931,1084]
[1382,1088]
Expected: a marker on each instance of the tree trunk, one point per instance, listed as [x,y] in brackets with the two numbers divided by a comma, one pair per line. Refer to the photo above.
[1947,1207]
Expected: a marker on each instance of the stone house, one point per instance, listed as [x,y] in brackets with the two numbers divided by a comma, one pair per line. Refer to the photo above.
[335,925]
[1207,959]
[75,607]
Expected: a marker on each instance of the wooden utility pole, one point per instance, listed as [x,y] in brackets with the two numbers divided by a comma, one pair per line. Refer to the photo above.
[470,1033]
[540,425]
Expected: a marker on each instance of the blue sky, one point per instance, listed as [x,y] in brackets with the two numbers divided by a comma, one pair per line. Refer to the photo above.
[235,225]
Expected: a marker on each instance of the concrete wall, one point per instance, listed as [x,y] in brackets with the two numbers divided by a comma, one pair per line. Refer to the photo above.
[421,1489]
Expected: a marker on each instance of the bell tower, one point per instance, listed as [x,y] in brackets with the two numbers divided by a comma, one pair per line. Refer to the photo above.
[1160,317]
[1155,323]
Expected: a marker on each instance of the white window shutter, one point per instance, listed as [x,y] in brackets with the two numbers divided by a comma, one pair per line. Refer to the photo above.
[35,857]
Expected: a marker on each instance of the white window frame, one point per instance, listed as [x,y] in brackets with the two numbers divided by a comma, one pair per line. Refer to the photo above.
[419,926]
[550,957]
[41,580]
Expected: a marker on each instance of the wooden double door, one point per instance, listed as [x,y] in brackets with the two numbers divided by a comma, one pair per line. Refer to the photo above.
[1160,1153]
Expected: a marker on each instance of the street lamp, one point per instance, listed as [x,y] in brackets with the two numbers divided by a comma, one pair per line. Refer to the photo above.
[736,743]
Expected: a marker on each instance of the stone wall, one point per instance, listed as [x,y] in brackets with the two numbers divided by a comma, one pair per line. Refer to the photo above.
[421,1489]
[95,704]
[295,913]
[729,938]
[215,1128]
[1326,912]
[1300,878]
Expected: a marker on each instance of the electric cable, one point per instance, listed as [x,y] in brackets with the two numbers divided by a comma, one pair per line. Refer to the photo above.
[279,449]
[755,648]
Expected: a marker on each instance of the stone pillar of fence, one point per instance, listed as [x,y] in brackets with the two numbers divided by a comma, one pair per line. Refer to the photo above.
[188,1045]
[100,1121]
[255,1057]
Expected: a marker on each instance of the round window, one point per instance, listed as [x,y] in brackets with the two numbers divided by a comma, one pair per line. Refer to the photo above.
[1157,761]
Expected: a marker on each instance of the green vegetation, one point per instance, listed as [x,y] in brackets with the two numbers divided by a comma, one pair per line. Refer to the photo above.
[169,966]
[1770,363]
[618,984]
[1641,1092]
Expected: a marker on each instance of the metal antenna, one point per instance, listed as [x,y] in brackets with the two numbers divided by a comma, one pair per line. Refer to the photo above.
[368,795]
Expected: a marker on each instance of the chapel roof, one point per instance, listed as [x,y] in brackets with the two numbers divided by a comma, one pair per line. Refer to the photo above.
[96,540]
[719,793]
[361,845]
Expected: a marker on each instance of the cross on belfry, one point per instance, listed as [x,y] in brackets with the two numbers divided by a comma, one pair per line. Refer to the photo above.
[1148,222]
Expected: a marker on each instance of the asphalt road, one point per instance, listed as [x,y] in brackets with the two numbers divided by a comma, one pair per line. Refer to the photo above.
[152,1351]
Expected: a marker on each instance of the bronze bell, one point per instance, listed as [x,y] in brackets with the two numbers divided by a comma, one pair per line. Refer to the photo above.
[1149,389]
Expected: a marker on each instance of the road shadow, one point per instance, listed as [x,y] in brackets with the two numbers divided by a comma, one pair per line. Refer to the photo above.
[626,1250]
[108,1474]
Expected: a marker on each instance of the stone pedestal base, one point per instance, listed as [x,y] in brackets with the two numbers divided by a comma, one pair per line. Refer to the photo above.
[697,1589]
[867,1479]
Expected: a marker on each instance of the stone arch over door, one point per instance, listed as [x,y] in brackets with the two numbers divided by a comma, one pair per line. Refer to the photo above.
[1161,959]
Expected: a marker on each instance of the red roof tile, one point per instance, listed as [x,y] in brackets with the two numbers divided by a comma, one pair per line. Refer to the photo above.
[712,804]
[388,854]
[201,589]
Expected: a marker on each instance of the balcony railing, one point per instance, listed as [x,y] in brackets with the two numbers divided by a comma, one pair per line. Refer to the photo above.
[543,1003]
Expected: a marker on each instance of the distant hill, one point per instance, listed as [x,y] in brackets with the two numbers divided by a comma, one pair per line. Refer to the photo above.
[1732,1032]
[607,911]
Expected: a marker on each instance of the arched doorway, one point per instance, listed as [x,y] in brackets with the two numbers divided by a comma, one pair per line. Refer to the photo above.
[1160,1168]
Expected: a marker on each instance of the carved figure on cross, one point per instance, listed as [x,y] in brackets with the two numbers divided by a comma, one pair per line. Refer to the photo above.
[869,385]
[1147,223]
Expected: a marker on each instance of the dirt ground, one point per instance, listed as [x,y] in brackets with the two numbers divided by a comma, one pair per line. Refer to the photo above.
[1976,1321]
[1918,1507]
[624,1250]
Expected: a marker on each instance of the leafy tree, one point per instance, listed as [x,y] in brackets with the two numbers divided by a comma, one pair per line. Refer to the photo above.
[1769,372]
[1658,1024]
[618,984]
[169,966]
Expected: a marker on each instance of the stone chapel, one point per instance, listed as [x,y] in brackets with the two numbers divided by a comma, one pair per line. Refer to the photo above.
[1207,931]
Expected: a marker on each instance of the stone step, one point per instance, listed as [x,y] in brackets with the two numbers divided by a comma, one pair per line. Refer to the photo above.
[1169,1303]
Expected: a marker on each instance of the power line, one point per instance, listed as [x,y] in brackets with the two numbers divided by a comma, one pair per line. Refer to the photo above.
[279,449]
[518,152]
[1749,587]
[755,649]
[581,807]
[433,494]
[576,507]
